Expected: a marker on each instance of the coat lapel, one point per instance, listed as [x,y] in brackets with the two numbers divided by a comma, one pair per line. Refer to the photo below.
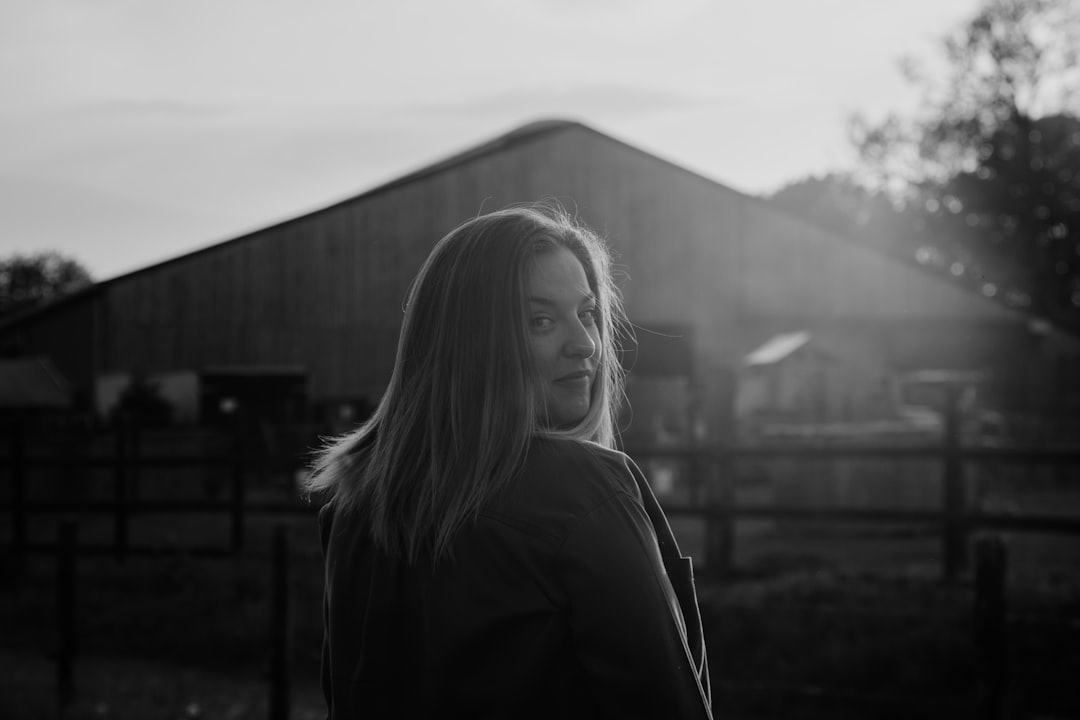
[680,572]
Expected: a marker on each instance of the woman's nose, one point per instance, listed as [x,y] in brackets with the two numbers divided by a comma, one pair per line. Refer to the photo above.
[581,343]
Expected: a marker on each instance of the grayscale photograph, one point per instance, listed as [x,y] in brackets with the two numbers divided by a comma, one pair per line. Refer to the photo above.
[514,359]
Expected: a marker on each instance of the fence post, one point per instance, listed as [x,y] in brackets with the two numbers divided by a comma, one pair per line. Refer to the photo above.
[279,628]
[134,464]
[720,530]
[18,493]
[120,491]
[65,583]
[954,530]
[719,523]
[236,507]
[990,572]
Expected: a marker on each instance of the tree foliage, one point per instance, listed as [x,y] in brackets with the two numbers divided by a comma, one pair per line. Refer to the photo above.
[839,202]
[26,280]
[991,162]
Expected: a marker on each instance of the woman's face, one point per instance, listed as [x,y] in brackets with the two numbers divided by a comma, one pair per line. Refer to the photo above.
[564,335]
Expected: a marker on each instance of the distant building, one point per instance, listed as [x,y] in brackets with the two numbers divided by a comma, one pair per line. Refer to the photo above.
[32,384]
[800,377]
[712,274]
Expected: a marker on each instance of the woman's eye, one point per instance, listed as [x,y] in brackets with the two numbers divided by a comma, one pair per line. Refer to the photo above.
[590,316]
[540,322]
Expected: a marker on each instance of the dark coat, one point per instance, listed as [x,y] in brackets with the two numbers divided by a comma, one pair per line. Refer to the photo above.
[567,599]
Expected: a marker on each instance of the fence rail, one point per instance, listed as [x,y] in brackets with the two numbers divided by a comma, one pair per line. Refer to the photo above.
[712,482]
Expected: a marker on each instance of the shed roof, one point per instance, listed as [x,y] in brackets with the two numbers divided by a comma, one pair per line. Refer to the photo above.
[777,348]
[32,383]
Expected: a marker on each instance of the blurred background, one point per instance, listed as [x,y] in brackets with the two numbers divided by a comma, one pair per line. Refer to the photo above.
[848,238]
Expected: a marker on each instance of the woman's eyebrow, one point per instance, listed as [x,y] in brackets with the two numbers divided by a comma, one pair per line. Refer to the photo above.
[587,298]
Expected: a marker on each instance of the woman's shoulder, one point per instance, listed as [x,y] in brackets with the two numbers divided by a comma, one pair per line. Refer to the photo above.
[562,481]
[577,462]
[548,448]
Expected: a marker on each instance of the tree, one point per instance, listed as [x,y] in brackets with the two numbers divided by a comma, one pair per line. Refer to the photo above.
[992,160]
[841,203]
[26,280]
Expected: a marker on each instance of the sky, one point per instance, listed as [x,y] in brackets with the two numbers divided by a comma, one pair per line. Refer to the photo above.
[135,131]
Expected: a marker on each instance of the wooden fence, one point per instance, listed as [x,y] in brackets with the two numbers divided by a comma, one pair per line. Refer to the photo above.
[712,484]
[955,521]
[713,500]
[989,610]
[279,630]
[712,481]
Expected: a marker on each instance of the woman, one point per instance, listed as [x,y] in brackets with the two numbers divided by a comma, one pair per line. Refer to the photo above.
[488,553]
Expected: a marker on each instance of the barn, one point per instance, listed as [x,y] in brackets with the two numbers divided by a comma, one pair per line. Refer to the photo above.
[308,310]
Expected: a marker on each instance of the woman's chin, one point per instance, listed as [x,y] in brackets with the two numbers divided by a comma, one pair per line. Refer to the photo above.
[566,420]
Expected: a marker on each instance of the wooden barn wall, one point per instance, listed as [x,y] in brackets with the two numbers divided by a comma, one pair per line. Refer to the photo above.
[325,291]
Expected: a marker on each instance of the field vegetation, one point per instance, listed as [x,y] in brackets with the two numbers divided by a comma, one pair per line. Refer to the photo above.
[798,632]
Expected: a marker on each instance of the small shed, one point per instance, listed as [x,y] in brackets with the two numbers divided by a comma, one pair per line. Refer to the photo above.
[32,384]
[824,390]
[805,376]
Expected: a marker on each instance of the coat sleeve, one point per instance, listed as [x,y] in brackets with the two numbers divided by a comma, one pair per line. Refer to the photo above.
[625,619]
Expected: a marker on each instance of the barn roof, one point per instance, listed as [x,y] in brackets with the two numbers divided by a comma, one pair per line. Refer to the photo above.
[524,134]
[777,348]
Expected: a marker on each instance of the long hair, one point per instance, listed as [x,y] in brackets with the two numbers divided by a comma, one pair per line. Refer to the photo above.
[455,422]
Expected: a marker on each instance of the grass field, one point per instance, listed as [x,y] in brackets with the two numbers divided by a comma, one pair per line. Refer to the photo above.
[798,633]
[818,621]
